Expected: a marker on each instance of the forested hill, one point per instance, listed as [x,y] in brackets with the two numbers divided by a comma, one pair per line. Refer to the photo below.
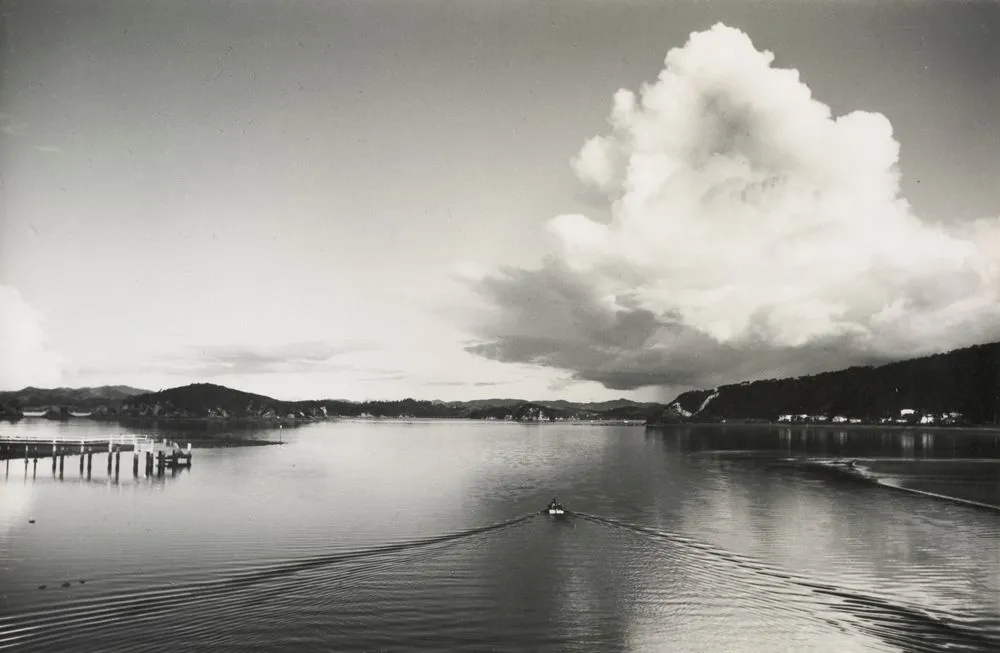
[204,400]
[961,386]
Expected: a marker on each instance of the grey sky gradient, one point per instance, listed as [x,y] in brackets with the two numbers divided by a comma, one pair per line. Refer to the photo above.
[219,184]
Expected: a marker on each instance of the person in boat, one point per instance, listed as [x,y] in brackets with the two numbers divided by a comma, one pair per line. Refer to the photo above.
[554,504]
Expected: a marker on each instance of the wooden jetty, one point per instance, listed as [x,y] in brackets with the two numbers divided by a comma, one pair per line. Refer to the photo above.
[155,454]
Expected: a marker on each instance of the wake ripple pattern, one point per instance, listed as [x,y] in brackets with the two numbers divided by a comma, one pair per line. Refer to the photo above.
[215,598]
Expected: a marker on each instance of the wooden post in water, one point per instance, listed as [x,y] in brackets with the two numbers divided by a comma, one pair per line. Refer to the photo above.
[81,462]
[62,461]
[90,461]
[149,463]
[161,460]
[135,463]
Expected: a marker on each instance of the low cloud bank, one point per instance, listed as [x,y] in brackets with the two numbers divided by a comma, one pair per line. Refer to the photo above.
[754,235]
[289,358]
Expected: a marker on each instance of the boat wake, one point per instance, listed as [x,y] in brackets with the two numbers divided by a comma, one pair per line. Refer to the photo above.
[897,623]
[865,473]
[892,484]
[218,597]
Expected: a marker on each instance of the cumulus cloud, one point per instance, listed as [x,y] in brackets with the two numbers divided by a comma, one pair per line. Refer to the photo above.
[753,234]
[25,358]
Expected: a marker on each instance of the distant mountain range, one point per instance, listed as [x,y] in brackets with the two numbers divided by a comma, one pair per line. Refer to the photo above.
[210,401]
[77,399]
[76,396]
[958,387]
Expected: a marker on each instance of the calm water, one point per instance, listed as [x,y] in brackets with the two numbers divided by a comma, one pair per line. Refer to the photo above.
[391,536]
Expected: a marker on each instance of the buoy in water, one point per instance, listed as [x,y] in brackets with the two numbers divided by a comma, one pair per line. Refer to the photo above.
[31,521]
[41,587]
[66,584]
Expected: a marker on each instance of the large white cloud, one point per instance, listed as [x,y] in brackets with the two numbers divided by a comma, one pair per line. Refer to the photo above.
[753,234]
[25,358]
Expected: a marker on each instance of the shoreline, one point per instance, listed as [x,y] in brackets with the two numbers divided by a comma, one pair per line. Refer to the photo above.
[993,429]
[301,421]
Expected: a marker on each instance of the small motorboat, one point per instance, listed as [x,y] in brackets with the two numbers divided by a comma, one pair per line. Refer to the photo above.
[554,508]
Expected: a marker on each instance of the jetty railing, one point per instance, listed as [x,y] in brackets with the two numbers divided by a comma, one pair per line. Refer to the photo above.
[112,440]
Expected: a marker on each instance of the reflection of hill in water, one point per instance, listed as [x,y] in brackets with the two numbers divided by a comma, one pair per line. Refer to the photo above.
[857,442]
[204,433]
[958,465]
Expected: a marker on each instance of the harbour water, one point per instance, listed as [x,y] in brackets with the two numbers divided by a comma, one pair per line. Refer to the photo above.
[392,536]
